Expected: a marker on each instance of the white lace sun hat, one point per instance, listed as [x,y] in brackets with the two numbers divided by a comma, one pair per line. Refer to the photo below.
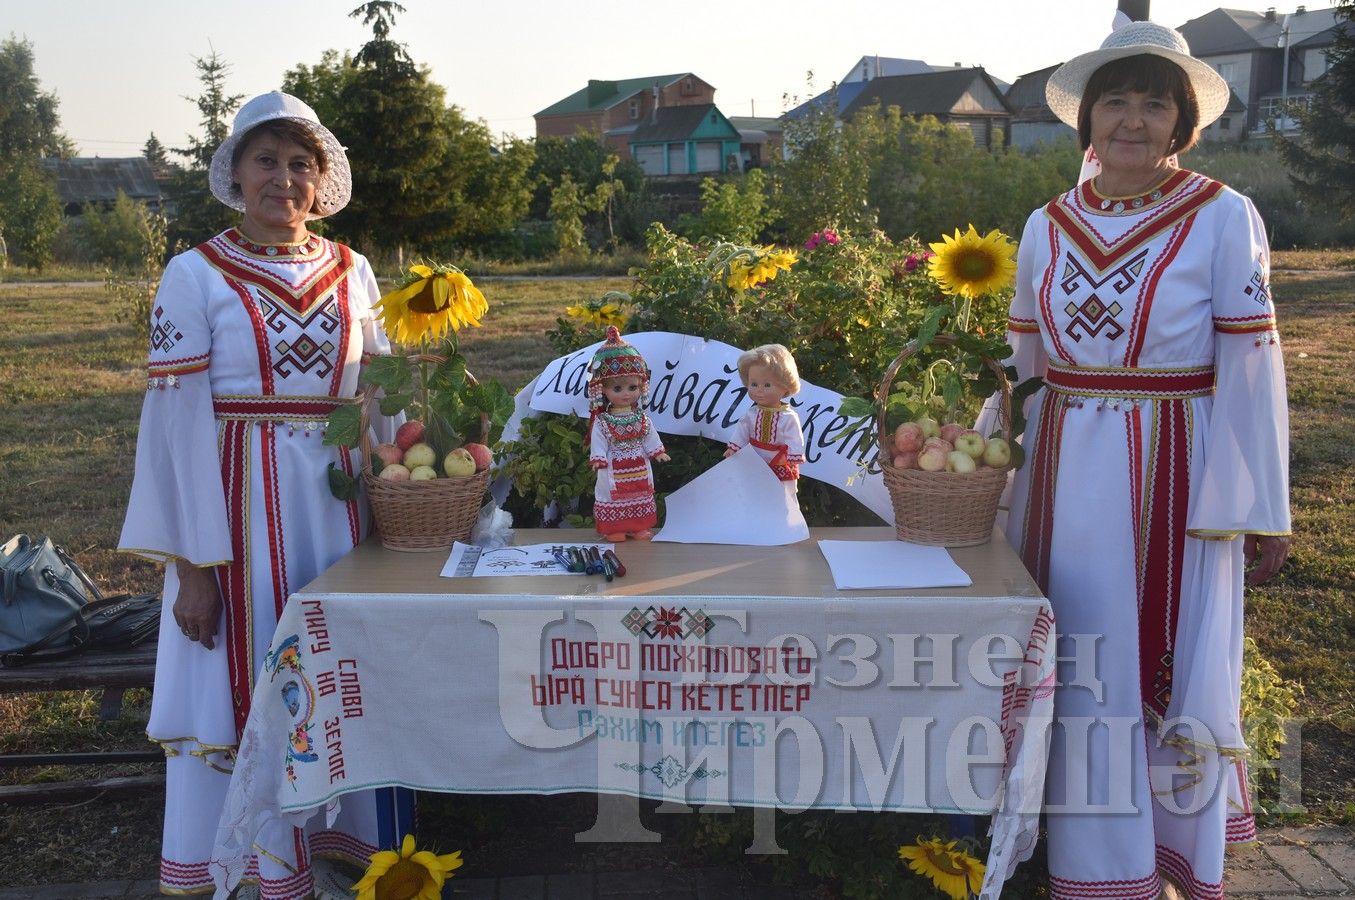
[1064,90]
[336,182]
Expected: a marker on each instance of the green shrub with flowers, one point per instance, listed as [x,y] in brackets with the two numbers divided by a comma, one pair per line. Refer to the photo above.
[843,303]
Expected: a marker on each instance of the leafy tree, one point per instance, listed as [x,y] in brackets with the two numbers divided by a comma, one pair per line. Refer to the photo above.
[825,182]
[1319,158]
[568,205]
[424,176]
[197,214]
[735,210]
[586,159]
[30,211]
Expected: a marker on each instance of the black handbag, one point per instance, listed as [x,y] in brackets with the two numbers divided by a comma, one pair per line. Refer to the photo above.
[53,610]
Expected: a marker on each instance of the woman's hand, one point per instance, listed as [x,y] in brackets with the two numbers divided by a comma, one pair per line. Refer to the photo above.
[1268,552]
[198,607]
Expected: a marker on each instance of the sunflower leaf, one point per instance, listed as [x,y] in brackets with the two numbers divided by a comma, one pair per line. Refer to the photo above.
[393,404]
[342,485]
[389,372]
[344,428]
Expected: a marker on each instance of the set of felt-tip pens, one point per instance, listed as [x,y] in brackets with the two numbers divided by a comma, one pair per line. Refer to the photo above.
[588,560]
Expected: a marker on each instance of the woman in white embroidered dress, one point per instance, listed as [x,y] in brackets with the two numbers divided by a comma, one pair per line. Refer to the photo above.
[256,335]
[1156,469]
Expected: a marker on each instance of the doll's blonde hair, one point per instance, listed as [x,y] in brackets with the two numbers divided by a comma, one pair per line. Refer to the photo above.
[776,358]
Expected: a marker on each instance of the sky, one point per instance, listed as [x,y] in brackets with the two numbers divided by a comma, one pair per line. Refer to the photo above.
[122,70]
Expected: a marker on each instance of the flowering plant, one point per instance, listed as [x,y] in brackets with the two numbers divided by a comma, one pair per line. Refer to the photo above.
[973,275]
[407,875]
[427,378]
[952,870]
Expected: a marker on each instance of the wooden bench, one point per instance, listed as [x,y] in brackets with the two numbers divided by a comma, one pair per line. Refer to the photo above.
[114,672]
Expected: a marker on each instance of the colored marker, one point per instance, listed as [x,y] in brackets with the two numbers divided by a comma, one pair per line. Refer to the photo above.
[616,563]
[562,559]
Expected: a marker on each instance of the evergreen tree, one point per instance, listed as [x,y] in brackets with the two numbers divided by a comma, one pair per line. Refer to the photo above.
[424,176]
[30,211]
[1320,157]
[197,215]
[157,156]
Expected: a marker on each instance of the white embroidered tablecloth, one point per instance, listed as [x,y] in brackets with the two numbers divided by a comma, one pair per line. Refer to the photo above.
[656,687]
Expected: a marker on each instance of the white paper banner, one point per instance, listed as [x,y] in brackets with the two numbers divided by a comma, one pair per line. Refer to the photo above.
[695,389]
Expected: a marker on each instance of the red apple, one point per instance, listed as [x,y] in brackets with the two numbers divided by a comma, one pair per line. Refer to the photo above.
[997,454]
[409,434]
[950,431]
[395,472]
[906,460]
[908,438]
[959,461]
[928,426]
[480,453]
[459,463]
[423,473]
[970,442]
[931,459]
[389,454]
[419,455]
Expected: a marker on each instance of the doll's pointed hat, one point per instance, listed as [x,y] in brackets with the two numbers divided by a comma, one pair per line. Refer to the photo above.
[613,359]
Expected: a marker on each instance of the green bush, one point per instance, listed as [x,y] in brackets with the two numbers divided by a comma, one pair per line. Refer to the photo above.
[1255,168]
[121,236]
[844,308]
[1268,701]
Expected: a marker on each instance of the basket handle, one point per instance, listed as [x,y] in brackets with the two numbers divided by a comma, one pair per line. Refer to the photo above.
[912,347]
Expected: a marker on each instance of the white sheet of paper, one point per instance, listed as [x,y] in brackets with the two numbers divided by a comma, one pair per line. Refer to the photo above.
[738,501]
[468,560]
[891,564]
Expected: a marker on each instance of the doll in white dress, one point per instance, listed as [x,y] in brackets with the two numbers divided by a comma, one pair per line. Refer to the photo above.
[772,428]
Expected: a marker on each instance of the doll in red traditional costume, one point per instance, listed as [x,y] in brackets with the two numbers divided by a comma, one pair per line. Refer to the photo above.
[623,442]
[773,429]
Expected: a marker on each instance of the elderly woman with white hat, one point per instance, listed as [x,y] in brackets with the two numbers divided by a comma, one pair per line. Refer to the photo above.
[256,336]
[1156,472]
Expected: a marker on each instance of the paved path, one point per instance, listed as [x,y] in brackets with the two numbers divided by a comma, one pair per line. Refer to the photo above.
[1285,864]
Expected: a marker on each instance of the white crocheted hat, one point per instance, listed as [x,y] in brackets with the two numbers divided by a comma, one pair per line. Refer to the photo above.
[1064,89]
[336,182]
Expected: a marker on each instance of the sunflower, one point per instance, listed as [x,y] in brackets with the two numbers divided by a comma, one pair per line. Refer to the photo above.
[970,265]
[954,872]
[407,875]
[431,301]
[766,263]
[599,314]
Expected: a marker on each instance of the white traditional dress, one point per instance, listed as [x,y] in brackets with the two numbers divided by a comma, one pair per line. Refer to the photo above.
[621,448]
[251,348]
[1160,437]
[775,433]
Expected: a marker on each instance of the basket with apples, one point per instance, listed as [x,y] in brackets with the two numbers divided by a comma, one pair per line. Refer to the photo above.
[944,480]
[426,487]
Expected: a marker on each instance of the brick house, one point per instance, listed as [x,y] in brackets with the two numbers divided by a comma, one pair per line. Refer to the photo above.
[614,110]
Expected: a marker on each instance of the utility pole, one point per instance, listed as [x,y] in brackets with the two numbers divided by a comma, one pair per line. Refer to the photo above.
[1284,78]
[1137,10]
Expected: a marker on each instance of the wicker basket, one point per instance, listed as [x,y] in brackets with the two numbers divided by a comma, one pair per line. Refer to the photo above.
[422,515]
[945,509]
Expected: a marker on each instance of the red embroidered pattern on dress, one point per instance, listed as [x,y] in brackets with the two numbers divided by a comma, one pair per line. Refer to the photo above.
[221,256]
[1180,869]
[1145,888]
[184,366]
[1140,325]
[1078,223]
[235,589]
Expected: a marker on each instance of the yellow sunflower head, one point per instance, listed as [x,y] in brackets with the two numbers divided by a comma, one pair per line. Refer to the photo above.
[430,302]
[954,872]
[407,875]
[972,265]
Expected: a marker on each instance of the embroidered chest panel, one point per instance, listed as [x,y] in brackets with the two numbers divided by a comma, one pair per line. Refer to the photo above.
[1097,294]
[625,432]
[297,303]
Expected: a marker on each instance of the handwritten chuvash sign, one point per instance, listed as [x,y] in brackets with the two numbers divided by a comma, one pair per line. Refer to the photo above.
[695,389]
